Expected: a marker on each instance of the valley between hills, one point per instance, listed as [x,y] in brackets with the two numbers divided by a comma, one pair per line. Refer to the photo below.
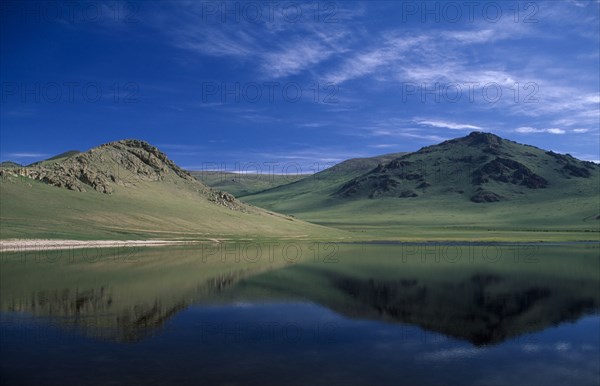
[477,188]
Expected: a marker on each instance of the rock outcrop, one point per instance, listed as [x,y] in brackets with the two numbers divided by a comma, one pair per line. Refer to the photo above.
[510,171]
[125,163]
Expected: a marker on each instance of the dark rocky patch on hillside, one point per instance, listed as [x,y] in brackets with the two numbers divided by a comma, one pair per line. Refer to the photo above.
[509,171]
[482,195]
[572,166]
[482,166]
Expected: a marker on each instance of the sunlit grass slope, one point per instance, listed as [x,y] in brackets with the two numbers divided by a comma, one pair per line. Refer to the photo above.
[128,189]
[477,187]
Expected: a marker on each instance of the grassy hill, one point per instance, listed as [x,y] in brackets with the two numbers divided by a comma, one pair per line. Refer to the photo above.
[128,189]
[302,195]
[243,184]
[10,164]
[476,186]
[57,158]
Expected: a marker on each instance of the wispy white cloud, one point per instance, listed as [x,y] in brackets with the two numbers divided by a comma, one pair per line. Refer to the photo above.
[216,42]
[530,130]
[393,48]
[25,155]
[275,49]
[295,58]
[313,124]
[427,56]
[399,128]
[171,146]
[383,145]
[427,137]
[449,125]
[18,113]
[476,36]
[452,353]
[377,60]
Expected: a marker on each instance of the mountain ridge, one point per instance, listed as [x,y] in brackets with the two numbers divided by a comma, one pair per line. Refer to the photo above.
[479,181]
[485,158]
[132,160]
[129,189]
[476,181]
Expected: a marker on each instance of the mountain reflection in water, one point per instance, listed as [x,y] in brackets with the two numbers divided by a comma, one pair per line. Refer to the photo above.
[478,301]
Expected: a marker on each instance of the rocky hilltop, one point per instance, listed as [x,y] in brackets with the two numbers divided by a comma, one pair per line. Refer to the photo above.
[125,163]
[481,166]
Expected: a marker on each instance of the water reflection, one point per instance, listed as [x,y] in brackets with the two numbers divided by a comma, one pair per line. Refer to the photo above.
[475,309]
[477,300]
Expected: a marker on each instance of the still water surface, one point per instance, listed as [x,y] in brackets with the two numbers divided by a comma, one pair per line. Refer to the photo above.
[273,314]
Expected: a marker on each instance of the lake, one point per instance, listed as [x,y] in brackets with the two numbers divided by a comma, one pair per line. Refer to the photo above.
[280,312]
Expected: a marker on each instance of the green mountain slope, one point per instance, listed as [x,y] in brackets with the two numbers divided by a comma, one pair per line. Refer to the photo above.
[305,193]
[10,164]
[243,184]
[57,158]
[481,167]
[128,189]
[478,182]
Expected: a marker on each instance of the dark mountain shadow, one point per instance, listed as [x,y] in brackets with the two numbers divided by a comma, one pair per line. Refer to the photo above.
[95,313]
[475,309]
[481,306]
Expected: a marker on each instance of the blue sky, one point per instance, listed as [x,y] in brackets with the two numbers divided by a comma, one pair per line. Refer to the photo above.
[306,84]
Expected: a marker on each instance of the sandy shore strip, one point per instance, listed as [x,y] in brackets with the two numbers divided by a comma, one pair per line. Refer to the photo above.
[17,245]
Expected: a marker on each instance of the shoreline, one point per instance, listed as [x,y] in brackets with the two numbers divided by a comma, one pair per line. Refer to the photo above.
[23,245]
[48,244]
